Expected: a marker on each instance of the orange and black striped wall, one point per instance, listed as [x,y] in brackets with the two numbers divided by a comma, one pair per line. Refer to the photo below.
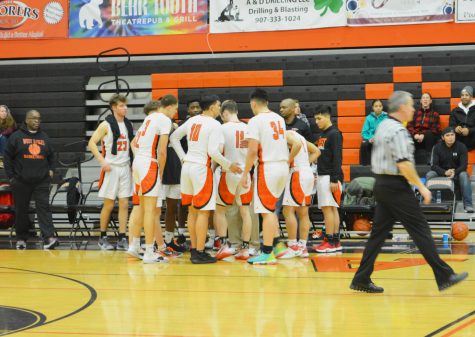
[348,91]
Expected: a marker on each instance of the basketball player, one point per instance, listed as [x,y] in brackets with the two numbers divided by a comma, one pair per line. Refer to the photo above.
[151,152]
[197,183]
[329,179]
[115,133]
[234,147]
[297,197]
[267,143]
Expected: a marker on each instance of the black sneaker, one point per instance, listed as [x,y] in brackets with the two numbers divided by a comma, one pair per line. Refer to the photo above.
[177,248]
[201,258]
[181,239]
[369,287]
[453,280]
[51,243]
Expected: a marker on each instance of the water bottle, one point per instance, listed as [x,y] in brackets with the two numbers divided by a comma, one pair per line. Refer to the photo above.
[438,198]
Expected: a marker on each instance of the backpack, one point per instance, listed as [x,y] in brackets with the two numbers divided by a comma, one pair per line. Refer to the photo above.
[7,219]
[360,192]
[73,197]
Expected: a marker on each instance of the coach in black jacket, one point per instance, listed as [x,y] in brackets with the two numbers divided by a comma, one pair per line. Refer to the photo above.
[29,162]
[450,159]
[462,118]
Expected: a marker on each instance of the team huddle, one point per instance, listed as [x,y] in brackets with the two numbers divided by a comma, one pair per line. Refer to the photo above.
[248,165]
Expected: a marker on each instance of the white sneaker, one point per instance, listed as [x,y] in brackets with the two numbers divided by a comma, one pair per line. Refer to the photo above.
[21,244]
[51,243]
[135,252]
[252,251]
[209,244]
[224,252]
[154,258]
[291,252]
[243,254]
[303,251]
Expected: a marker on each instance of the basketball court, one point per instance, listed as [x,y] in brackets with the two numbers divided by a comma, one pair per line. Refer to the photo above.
[86,292]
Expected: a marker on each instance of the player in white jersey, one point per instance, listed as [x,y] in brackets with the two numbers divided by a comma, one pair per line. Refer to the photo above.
[150,156]
[234,148]
[197,184]
[267,143]
[115,133]
[297,197]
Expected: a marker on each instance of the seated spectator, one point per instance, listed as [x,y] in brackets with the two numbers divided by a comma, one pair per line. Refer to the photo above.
[299,114]
[7,126]
[449,159]
[369,128]
[425,128]
[462,118]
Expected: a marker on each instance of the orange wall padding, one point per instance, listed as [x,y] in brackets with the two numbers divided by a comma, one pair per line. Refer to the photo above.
[352,140]
[444,121]
[379,90]
[438,89]
[350,124]
[327,38]
[351,108]
[351,156]
[407,74]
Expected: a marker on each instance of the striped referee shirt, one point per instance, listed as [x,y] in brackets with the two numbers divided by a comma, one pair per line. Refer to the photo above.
[392,144]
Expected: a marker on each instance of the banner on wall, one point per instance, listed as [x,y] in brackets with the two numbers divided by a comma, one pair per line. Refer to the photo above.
[111,18]
[228,16]
[33,19]
[465,11]
[398,12]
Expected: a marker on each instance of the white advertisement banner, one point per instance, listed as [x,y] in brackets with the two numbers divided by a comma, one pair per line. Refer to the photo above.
[227,16]
[397,12]
[465,11]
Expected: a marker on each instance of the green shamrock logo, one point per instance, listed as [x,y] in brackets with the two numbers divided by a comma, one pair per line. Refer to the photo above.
[333,5]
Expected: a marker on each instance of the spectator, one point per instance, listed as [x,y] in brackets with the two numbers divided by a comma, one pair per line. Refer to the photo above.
[449,159]
[425,127]
[29,163]
[369,128]
[299,114]
[289,112]
[462,118]
[7,126]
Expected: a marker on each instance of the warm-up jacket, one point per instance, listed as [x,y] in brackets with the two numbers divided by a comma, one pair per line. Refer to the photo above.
[371,123]
[28,156]
[445,158]
[458,117]
[329,163]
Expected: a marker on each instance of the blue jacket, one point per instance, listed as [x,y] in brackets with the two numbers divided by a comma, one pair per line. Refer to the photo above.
[371,123]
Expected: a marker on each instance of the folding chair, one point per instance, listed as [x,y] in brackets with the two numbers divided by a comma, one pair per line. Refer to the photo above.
[441,213]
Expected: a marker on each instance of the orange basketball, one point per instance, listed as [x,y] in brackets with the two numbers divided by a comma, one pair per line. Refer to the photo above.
[459,230]
[362,225]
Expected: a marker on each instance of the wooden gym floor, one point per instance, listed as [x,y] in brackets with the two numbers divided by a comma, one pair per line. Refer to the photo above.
[70,292]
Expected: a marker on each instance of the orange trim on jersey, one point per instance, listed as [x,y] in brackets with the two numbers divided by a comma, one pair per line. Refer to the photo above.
[265,196]
[101,178]
[155,146]
[226,196]
[135,195]
[202,198]
[247,197]
[308,200]
[295,189]
[337,195]
[186,199]
[150,180]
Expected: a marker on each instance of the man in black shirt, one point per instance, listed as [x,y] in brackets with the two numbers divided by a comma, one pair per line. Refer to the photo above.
[330,176]
[288,110]
[450,159]
[29,163]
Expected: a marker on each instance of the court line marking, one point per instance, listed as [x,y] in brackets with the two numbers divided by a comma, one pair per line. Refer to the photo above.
[458,320]
[461,327]
[92,297]
[40,318]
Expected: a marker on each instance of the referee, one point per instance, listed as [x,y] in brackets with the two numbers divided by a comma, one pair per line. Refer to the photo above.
[393,163]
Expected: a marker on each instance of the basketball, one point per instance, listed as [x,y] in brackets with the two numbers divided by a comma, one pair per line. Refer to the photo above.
[459,231]
[362,225]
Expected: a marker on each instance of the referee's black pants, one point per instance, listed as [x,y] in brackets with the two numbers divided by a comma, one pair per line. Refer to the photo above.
[22,194]
[396,202]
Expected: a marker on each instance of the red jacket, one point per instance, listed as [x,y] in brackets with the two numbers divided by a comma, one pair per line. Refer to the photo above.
[424,120]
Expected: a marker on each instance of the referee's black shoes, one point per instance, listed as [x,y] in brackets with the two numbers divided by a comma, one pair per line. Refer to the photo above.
[369,287]
[453,280]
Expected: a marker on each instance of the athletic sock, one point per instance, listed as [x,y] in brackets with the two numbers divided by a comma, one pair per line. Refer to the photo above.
[162,247]
[149,249]
[181,231]
[103,235]
[168,236]
[136,243]
[291,243]
[212,234]
[267,249]
[276,241]
[245,244]
[223,240]
[303,242]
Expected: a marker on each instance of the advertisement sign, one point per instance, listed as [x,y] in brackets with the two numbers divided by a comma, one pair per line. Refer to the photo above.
[110,18]
[397,12]
[33,19]
[465,11]
[228,16]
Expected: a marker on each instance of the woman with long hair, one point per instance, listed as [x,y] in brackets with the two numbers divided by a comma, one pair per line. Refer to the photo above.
[7,127]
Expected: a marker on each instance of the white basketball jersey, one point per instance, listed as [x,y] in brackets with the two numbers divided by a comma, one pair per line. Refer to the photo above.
[301,159]
[122,156]
[148,135]
[268,128]
[235,145]
[198,130]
